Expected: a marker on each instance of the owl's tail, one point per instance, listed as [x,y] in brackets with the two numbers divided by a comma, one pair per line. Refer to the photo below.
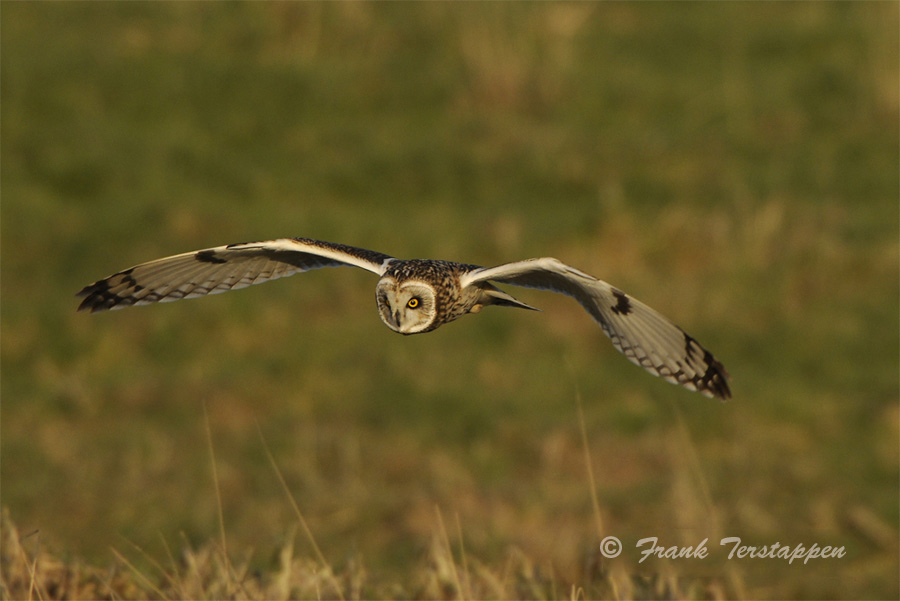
[492,295]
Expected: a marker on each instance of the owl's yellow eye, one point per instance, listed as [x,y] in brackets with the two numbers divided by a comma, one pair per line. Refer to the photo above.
[413,303]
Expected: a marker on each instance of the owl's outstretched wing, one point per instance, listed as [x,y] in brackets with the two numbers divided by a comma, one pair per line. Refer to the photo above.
[644,336]
[220,269]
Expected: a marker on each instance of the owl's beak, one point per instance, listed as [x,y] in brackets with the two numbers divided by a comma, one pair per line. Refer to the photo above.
[395,318]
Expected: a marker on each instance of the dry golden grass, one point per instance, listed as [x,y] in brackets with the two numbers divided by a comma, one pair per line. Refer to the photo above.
[447,572]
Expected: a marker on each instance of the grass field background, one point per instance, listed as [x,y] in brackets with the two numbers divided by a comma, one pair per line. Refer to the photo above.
[733,165]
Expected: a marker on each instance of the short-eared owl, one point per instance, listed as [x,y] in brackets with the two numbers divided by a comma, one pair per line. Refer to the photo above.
[416,296]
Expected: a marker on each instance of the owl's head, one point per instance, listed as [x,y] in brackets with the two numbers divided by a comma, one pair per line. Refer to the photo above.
[407,307]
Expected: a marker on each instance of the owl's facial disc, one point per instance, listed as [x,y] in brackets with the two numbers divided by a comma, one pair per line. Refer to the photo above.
[407,308]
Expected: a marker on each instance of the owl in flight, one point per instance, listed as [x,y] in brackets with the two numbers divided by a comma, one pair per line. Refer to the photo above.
[420,295]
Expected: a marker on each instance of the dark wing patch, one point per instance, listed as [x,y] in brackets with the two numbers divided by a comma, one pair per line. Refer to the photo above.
[209,256]
[623,305]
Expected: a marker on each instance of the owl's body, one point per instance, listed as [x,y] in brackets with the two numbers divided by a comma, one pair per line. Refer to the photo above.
[439,295]
[434,285]
[420,295]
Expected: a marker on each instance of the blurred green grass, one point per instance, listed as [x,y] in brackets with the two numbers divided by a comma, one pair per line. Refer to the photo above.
[733,165]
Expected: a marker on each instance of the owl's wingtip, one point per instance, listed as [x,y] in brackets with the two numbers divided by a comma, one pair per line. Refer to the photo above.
[715,381]
[83,294]
[96,297]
